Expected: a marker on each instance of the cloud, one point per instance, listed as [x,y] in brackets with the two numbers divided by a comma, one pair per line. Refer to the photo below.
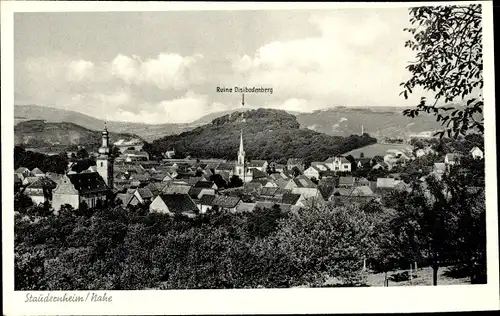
[166,71]
[80,70]
[352,61]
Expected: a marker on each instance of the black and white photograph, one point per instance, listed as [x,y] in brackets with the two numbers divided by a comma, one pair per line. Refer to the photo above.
[264,148]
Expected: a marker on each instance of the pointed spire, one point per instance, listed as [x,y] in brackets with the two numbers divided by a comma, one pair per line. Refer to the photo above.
[241,141]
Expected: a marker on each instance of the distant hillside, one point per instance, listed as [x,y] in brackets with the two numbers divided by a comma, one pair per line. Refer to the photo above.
[147,132]
[378,122]
[267,134]
[338,121]
[37,133]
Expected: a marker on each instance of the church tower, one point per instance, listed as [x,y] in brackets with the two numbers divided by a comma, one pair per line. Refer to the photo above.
[105,161]
[240,164]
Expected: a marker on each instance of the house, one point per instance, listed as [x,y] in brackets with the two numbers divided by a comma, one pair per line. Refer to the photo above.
[312,172]
[252,187]
[245,207]
[197,193]
[292,199]
[382,165]
[271,205]
[75,189]
[451,159]
[29,180]
[363,163]
[40,191]
[144,195]
[346,182]
[362,182]
[319,165]
[130,155]
[305,187]
[385,183]
[37,172]
[277,167]
[176,188]
[206,185]
[170,153]
[174,204]
[224,202]
[268,192]
[341,192]
[205,203]
[338,164]
[476,153]
[362,191]
[261,165]
[23,172]
[257,173]
[295,162]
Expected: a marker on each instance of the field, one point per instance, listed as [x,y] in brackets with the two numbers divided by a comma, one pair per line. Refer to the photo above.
[379,149]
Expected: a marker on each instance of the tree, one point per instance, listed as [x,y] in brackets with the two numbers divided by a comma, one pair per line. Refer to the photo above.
[235,182]
[114,152]
[82,154]
[448,42]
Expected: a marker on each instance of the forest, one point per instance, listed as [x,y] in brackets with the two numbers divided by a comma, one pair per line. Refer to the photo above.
[272,135]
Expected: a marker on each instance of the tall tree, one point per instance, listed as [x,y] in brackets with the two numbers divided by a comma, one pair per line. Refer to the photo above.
[449,62]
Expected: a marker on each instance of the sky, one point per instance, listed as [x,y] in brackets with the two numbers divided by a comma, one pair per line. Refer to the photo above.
[165,67]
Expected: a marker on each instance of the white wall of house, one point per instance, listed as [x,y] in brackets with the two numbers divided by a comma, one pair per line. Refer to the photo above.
[311,172]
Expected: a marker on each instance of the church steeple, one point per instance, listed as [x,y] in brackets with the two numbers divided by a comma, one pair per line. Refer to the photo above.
[105,161]
[241,152]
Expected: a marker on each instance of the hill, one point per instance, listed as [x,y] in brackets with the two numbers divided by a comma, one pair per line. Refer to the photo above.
[38,133]
[337,121]
[147,132]
[381,123]
[267,134]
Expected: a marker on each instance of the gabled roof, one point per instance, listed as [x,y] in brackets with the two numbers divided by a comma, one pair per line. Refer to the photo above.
[326,191]
[225,201]
[256,173]
[363,181]
[176,189]
[226,166]
[250,186]
[385,182]
[22,170]
[179,203]
[304,182]
[342,192]
[290,198]
[37,171]
[346,180]
[42,183]
[256,163]
[194,180]
[269,191]
[87,182]
[207,199]
[476,148]
[145,193]
[362,191]
[204,184]
[135,153]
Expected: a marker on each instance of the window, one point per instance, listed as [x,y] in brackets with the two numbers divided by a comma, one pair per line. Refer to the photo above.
[102,164]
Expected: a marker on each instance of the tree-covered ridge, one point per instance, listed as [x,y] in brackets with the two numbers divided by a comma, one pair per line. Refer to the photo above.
[267,134]
[64,135]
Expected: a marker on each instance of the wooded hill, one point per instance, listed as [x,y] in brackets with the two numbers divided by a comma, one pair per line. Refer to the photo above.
[274,135]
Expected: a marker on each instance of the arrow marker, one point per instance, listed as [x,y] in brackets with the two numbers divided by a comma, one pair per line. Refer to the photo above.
[242,99]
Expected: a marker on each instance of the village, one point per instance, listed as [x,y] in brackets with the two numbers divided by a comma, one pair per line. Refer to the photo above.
[193,186]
